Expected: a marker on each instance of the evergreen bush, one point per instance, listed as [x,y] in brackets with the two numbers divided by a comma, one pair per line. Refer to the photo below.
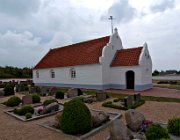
[47,102]
[156,132]
[9,90]
[76,118]
[24,110]
[36,98]
[59,94]
[13,101]
[28,115]
[174,126]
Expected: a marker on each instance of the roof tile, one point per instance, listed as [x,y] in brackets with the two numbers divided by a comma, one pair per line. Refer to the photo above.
[87,52]
[127,57]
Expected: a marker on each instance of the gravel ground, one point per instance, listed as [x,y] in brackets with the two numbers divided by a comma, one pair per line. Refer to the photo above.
[13,129]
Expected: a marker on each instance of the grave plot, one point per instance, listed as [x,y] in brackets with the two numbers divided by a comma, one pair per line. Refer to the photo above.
[15,101]
[82,122]
[128,102]
[28,112]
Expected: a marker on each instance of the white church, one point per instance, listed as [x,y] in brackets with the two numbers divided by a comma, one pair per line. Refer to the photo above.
[100,63]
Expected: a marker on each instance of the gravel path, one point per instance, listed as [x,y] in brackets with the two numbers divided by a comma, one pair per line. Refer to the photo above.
[13,129]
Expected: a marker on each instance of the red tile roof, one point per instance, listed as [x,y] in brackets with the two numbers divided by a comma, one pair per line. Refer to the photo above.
[127,57]
[87,52]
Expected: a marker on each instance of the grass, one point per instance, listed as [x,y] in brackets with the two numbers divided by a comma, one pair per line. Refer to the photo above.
[167,86]
[146,98]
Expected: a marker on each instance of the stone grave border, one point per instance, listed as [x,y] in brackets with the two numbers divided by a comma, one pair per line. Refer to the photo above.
[22,118]
[92,132]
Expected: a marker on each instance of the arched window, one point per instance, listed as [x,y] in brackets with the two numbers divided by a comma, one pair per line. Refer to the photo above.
[72,73]
[52,73]
[37,74]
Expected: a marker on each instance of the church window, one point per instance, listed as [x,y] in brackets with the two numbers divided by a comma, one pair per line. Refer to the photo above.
[52,73]
[72,73]
[37,74]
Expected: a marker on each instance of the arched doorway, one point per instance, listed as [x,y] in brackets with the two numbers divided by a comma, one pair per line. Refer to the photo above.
[130,79]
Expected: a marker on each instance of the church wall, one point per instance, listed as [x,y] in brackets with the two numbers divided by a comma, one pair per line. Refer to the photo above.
[108,55]
[87,76]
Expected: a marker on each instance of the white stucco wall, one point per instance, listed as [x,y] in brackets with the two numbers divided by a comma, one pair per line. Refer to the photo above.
[146,65]
[85,75]
[118,74]
[143,73]
[108,55]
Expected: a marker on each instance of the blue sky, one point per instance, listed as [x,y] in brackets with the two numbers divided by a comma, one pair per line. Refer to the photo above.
[28,29]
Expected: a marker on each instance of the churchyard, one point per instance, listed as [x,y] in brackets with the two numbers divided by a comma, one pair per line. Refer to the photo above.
[44,107]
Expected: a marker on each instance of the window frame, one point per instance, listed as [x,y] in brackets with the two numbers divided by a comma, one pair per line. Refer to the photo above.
[52,73]
[72,73]
[37,74]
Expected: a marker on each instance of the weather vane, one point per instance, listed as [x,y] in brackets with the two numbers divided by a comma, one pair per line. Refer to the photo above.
[111,18]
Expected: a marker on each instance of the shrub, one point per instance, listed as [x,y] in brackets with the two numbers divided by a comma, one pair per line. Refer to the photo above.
[9,90]
[24,110]
[76,118]
[13,101]
[59,94]
[156,132]
[174,126]
[47,102]
[28,115]
[36,98]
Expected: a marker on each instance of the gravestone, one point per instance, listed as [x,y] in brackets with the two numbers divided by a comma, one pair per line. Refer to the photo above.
[119,131]
[72,92]
[100,96]
[51,108]
[137,97]
[100,118]
[134,119]
[1,91]
[27,99]
[128,101]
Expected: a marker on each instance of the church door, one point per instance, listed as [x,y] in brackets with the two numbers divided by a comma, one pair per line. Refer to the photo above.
[130,80]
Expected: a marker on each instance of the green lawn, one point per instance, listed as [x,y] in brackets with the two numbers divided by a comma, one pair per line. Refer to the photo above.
[167,86]
[146,98]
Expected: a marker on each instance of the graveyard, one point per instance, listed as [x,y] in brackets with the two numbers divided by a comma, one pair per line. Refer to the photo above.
[128,113]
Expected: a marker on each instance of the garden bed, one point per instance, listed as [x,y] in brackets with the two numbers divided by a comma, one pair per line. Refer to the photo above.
[22,118]
[114,104]
[50,125]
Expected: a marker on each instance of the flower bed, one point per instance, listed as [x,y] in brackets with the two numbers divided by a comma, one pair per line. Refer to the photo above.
[51,125]
[34,116]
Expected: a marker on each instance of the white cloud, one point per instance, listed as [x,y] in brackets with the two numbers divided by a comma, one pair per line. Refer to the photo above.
[28,29]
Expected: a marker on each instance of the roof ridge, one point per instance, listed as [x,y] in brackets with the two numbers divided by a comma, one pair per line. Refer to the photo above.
[71,45]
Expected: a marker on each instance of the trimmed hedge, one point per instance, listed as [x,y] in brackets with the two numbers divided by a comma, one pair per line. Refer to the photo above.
[9,90]
[13,101]
[36,98]
[133,106]
[174,126]
[76,118]
[59,94]
[156,132]
[24,110]
[47,102]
